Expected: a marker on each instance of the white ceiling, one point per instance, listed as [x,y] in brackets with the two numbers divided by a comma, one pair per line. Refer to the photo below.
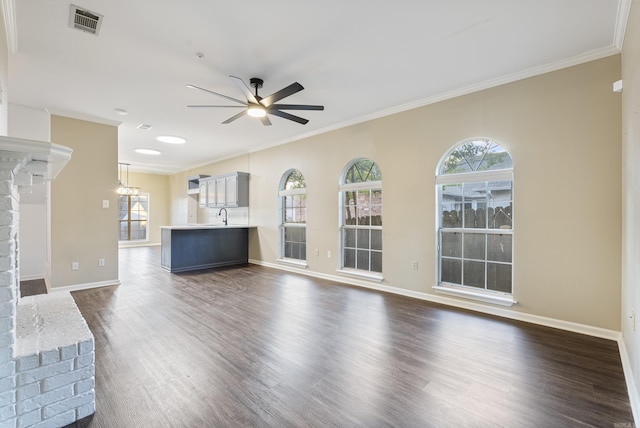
[361,59]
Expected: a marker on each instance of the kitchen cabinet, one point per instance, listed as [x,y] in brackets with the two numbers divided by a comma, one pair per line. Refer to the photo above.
[186,248]
[226,190]
[202,196]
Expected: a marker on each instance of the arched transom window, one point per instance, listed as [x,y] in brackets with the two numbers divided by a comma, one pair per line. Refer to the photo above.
[361,217]
[293,216]
[475,222]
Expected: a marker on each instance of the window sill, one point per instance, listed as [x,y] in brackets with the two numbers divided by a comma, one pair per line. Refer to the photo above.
[293,262]
[362,274]
[497,299]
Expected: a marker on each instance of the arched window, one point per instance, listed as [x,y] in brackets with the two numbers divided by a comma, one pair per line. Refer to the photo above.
[475,223]
[361,218]
[293,216]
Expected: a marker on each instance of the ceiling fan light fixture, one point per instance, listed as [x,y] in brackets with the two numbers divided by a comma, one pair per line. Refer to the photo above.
[256,111]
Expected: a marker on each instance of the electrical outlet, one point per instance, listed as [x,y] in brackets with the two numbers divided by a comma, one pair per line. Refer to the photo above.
[100,262]
[105,203]
[75,266]
[414,265]
[317,252]
[328,254]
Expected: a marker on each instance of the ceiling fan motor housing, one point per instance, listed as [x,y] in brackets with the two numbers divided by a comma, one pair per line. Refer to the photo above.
[256,82]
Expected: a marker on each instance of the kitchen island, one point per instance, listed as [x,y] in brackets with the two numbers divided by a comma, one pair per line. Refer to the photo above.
[194,247]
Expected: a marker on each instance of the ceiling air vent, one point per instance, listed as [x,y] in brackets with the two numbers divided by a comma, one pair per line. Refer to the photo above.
[85,20]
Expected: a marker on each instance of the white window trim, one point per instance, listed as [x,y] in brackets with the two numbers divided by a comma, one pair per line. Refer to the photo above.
[282,223]
[486,296]
[293,262]
[503,299]
[299,191]
[364,185]
[146,240]
[470,177]
[363,274]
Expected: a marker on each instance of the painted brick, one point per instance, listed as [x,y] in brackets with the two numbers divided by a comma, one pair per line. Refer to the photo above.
[8,383]
[7,398]
[28,391]
[86,346]
[7,218]
[7,279]
[6,323]
[27,362]
[28,419]
[68,352]
[7,294]
[7,412]
[42,400]
[68,404]
[7,233]
[7,369]
[11,423]
[40,373]
[6,354]
[86,410]
[49,357]
[6,339]
[58,421]
[55,382]
[85,385]
[7,308]
[85,360]
[8,203]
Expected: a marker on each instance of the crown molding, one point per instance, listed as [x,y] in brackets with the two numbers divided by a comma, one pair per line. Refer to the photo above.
[624,9]
[10,25]
[465,90]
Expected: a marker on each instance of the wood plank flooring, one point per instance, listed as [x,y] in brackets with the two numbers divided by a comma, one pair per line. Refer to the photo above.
[251,346]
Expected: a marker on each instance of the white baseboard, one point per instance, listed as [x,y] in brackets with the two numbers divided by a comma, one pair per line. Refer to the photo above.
[450,301]
[632,390]
[86,286]
[31,277]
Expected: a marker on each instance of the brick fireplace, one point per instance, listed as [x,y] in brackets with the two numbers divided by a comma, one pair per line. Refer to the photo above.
[47,374]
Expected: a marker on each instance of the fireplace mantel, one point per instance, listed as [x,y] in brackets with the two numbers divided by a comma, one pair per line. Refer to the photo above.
[36,158]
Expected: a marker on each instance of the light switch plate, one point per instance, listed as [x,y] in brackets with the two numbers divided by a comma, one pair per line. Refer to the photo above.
[105,203]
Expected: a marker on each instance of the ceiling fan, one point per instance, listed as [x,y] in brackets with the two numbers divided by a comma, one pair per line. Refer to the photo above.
[259,107]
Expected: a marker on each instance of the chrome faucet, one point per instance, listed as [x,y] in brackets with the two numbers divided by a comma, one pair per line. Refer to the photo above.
[224,220]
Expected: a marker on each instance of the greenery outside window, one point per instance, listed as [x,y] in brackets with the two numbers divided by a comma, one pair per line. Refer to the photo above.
[134,217]
[293,217]
[361,219]
[475,221]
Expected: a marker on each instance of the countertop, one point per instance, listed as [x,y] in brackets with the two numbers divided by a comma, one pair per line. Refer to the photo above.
[208,226]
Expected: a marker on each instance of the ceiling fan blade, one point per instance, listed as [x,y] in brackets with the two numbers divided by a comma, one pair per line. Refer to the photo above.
[282,93]
[295,107]
[285,115]
[244,89]
[215,93]
[234,117]
[216,106]
[265,121]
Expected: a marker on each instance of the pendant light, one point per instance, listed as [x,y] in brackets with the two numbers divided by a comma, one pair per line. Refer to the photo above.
[123,186]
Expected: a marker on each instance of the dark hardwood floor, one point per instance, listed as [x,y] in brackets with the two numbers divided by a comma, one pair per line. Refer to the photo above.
[256,347]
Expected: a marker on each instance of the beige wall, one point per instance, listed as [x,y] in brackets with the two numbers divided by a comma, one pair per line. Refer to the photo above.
[631,195]
[563,132]
[82,230]
[159,213]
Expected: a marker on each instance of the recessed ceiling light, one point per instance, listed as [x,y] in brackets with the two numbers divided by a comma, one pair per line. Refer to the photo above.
[148,151]
[121,111]
[170,139]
